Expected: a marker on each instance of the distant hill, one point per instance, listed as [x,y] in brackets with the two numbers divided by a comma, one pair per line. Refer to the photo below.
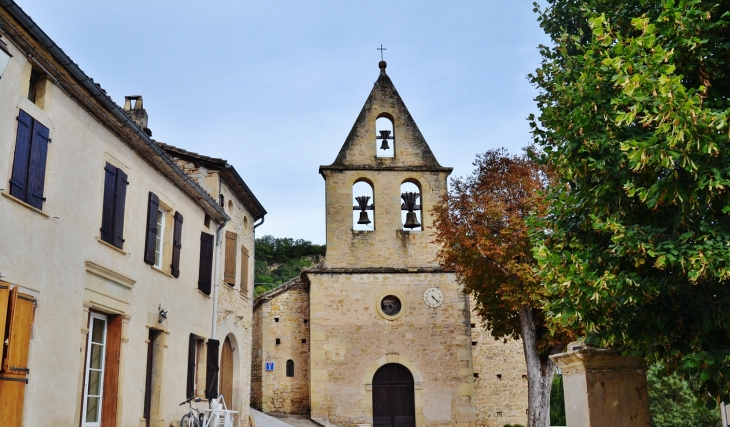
[281,259]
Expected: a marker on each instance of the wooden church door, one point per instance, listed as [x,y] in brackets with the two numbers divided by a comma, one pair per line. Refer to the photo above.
[393,397]
[227,373]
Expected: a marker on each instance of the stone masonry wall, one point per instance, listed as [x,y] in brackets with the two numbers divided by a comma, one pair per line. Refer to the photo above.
[351,340]
[284,318]
[500,391]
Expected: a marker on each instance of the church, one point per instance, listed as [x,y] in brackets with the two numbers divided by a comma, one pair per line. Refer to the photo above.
[378,334]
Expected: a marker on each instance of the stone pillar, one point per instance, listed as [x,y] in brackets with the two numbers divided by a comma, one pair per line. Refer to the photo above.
[603,389]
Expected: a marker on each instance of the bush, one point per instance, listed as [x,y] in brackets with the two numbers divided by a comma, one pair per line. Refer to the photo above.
[557,402]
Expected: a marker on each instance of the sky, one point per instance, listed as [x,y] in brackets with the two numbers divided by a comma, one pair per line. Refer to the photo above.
[274,86]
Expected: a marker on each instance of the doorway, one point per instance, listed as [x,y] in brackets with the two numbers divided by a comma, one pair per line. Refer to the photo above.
[152,376]
[393,397]
[227,373]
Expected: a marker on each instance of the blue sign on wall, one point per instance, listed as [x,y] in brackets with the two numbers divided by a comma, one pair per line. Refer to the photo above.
[269,366]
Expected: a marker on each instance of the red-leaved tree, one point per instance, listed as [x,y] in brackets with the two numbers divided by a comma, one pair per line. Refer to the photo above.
[482,230]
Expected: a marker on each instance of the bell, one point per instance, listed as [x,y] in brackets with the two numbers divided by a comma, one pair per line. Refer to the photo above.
[384,145]
[364,219]
[411,221]
[384,135]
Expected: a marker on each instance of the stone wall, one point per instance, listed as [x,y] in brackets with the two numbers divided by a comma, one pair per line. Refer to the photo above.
[281,329]
[351,339]
[500,391]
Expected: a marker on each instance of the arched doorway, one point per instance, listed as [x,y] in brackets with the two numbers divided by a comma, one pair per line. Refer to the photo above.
[227,373]
[393,397]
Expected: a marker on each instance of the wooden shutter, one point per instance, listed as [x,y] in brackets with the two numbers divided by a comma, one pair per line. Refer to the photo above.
[111,371]
[37,172]
[244,270]
[176,244]
[206,262]
[20,320]
[119,205]
[229,274]
[192,350]
[149,242]
[107,210]
[21,159]
[4,299]
[211,371]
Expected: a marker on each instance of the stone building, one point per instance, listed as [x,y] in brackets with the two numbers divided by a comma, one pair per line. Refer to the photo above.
[378,333]
[108,250]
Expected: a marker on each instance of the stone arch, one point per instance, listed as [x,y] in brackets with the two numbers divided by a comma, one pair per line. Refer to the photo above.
[367,381]
[363,209]
[411,212]
[237,391]
[384,135]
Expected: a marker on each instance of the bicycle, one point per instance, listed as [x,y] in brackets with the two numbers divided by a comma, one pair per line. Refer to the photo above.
[194,418]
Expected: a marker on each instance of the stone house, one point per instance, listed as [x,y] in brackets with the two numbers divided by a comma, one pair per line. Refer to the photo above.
[108,250]
[378,333]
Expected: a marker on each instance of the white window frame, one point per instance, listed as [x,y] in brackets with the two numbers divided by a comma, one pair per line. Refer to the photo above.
[160,238]
[88,369]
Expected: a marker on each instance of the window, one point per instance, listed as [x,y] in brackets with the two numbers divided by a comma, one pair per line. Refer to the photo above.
[29,162]
[205,270]
[195,356]
[289,368]
[244,270]
[229,273]
[34,85]
[159,237]
[94,375]
[112,216]
[159,249]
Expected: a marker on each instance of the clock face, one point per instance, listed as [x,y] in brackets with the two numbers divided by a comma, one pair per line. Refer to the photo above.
[433,297]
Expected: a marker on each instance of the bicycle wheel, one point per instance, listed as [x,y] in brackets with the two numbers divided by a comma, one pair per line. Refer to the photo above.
[188,420]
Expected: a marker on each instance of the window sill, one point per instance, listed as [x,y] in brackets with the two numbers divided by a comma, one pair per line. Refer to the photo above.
[157,269]
[22,203]
[202,293]
[109,245]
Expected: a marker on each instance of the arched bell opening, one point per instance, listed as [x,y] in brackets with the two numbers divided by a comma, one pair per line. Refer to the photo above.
[411,212]
[385,136]
[363,206]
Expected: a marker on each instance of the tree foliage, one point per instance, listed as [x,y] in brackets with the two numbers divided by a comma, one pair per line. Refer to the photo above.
[634,98]
[480,226]
[673,402]
[279,260]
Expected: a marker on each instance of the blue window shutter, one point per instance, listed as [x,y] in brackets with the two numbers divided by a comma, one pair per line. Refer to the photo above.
[37,172]
[21,159]
[107,211]
[119,204]
[151,229]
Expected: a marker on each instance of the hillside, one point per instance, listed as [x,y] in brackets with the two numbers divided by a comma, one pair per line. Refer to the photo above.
[281,259]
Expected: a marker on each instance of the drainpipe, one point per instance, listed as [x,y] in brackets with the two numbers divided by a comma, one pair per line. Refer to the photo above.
[216,261]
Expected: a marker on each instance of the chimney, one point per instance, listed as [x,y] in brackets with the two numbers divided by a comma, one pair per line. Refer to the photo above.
[137,112]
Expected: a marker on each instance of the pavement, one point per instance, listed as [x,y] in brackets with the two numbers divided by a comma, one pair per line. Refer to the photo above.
[281,420]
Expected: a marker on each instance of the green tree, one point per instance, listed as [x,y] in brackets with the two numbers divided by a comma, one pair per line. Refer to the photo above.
[673,402]
[279,260]
[633,99]
[557,402]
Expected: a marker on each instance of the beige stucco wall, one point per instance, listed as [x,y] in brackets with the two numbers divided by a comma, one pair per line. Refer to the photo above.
[284,317]
[51,254]
[500,392]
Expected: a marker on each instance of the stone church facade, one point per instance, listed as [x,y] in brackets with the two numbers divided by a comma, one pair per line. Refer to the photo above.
[378,333]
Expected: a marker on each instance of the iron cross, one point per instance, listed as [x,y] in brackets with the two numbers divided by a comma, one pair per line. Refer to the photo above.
[381,49]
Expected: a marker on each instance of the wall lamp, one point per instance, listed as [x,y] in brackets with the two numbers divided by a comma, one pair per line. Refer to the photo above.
[4,56]
[162,315]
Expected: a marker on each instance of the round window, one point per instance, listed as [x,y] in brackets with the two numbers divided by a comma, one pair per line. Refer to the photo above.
[390,305]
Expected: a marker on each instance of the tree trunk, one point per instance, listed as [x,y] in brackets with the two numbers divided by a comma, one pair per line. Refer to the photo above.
[540,371]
